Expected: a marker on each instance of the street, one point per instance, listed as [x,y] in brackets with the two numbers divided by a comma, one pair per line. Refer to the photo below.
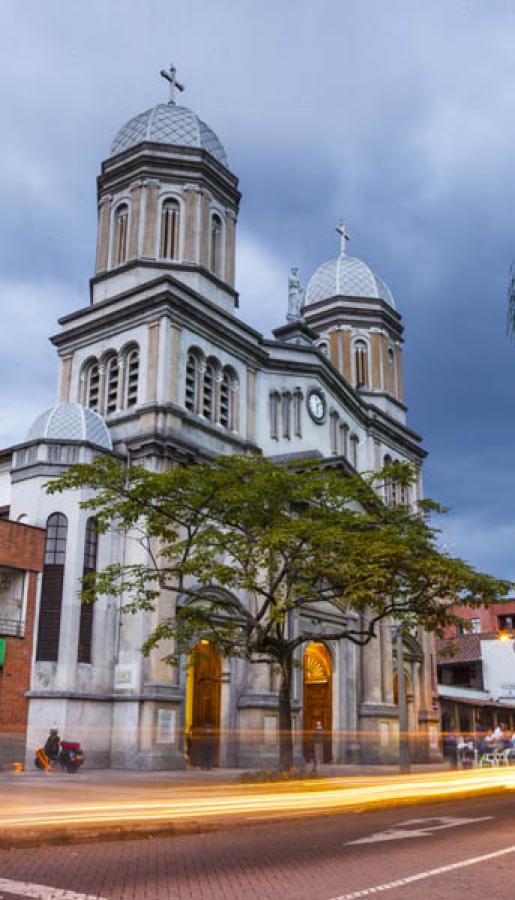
[332,857]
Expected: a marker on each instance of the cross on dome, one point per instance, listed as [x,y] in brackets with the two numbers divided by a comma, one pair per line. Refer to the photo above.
[171,76]
[344,237]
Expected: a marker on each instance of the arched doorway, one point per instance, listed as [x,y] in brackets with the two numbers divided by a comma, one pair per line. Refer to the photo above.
[318,699]
[202,719]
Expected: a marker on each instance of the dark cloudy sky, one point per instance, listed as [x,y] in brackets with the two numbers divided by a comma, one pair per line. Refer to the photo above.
[397,116]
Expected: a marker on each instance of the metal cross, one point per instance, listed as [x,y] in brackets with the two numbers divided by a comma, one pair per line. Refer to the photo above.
[344,237]
[171,76]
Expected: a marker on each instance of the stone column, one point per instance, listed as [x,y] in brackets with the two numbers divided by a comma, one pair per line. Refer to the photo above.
[230,245]
[234,400]
[375,339]
[398,367]
[121,384]
[347,368]
[251,405]
[386,661]
[205,197]
[135,220]
[104,219]
[101,389]
[175,363]
[150,229]
[372,692]
[65,378]
[152,361]
[191,212]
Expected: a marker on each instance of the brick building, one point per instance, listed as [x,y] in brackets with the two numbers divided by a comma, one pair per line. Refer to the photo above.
[21,561]
[496,619]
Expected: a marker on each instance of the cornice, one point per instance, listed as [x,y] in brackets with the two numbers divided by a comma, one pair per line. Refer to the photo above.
[140,262]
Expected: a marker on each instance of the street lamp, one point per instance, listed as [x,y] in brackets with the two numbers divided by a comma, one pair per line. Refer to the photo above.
[404,759]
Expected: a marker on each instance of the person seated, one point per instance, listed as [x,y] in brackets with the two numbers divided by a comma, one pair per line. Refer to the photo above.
[53,745]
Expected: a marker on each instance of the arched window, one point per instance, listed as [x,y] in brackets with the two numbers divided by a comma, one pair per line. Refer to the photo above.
[49,625]
[354,442]
[86,610]
[275,399]
[192,382]
[170,223]
[361,363]
[121,219]
[208,398]
[225,400]
[131,377]
[215,245]
[93,386]
[111,384]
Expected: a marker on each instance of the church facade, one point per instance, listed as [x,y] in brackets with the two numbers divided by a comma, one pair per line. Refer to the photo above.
[158,369]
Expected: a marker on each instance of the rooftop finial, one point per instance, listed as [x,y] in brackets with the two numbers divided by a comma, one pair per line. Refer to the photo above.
[344,237]
[171,76]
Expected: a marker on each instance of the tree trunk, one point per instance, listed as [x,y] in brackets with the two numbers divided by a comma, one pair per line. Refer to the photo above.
[285,728]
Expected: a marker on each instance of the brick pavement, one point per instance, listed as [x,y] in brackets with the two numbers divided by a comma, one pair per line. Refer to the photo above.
[301,859]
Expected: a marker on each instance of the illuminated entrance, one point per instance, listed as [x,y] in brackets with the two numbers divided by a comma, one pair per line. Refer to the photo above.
[318,701]
[202,719]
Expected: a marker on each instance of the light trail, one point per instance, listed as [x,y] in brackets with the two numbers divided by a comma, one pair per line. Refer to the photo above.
[221,802]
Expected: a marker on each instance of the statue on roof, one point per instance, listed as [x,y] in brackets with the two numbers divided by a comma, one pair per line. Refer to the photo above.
[295,296]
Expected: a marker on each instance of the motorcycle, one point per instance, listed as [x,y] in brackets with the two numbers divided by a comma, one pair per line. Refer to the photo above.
[71,757]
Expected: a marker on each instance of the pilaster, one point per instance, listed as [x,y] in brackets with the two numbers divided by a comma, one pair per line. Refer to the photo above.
[104,219]
[135,220]
[150,228]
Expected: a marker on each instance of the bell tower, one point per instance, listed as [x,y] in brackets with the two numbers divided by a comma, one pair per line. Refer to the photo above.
[167,200]
[353,311]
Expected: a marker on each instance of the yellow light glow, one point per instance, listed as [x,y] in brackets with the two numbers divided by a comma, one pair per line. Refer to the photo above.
[504,636]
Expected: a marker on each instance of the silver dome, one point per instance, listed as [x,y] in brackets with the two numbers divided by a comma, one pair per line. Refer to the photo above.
[167,123]
[346,276]
[71,422]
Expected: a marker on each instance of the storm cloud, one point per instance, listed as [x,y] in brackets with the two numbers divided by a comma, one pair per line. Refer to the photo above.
[398,117]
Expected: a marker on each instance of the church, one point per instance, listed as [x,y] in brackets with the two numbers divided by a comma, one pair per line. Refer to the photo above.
[160,368]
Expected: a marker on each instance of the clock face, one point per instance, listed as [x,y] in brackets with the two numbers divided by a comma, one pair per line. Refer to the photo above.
[316,405]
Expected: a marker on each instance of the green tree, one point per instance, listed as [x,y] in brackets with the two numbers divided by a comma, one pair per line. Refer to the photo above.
[248,545]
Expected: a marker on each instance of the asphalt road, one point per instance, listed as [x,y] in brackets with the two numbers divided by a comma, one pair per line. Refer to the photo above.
[340,856]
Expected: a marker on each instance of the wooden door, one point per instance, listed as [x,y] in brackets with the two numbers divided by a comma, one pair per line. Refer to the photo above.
[207,671]
[317,698]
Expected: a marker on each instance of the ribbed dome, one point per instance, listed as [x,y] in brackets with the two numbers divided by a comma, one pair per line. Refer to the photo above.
[167,123]
[71,422]
[346,276]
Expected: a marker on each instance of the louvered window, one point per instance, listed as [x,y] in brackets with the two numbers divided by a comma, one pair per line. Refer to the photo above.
[190,400]
[131,387]
[225,401]
[170,220]
[87,610]
[208,400]
[52,589]
[120,234]
[112,379]
[93,386]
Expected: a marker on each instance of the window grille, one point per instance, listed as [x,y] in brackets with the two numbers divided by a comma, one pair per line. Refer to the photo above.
[361,363]
[120,234]
[170,223]
[52,588]
[225,400]
[87,609]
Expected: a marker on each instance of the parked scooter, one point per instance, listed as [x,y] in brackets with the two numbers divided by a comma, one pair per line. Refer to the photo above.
[67,754]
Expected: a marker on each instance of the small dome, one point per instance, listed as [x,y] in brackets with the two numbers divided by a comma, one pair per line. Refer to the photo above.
[167,123]
[71,422]
[346,276]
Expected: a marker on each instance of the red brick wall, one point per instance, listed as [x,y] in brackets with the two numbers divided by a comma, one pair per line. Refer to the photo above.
[21,547]
[487,615]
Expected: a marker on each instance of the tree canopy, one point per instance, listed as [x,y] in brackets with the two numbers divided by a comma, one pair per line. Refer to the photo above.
[248,545]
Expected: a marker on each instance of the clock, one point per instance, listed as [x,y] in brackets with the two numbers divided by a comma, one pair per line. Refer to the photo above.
[316,405]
